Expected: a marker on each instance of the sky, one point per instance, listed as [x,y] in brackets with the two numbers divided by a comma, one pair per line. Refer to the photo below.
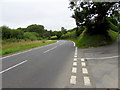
[53,14]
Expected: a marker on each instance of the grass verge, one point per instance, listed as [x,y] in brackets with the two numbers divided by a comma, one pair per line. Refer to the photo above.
[13,47]
[85,40]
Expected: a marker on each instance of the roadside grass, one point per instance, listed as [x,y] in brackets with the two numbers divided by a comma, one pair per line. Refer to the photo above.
[12,47]
[86,41]
[113,35]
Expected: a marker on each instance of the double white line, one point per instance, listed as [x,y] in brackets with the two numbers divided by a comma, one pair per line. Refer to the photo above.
[74,68]
[85,72]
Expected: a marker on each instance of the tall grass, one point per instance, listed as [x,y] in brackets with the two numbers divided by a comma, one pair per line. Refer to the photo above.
[11,47]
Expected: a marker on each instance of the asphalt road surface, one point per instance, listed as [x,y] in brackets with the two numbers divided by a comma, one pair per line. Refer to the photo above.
[61,65]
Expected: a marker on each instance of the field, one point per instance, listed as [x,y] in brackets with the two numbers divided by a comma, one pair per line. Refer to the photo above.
[11,47]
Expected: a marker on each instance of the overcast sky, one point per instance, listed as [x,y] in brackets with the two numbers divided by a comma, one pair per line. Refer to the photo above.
[53,14]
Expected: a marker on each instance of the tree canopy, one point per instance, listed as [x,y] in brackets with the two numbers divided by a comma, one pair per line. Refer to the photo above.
[94,15]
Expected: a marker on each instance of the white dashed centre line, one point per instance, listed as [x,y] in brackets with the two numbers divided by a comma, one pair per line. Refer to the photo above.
[74,63]
[73,80]
[75,56]
[13,67]
[76,48]
[84,70]
[62,43]
[75,59]
[74,70]
[87,81]
[83,64]
[75,53]
[50,49]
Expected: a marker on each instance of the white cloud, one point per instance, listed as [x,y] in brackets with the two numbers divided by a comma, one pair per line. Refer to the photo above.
[74,0]
[53,14]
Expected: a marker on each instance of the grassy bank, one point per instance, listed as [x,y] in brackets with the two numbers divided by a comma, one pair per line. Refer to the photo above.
[85,40]
[12,47]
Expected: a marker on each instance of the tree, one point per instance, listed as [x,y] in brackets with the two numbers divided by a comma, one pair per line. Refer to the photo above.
[93,15]
[58,34]
[63,30]
[36,28]
[16,34]
[6,33]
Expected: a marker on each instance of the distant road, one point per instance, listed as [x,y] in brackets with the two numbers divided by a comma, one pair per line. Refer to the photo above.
[61,65]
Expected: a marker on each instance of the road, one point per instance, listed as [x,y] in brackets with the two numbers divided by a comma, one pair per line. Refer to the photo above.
[61,65]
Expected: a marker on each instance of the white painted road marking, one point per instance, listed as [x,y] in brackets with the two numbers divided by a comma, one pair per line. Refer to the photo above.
[74,63]
[75,59]
[28,50]
[74,70]
[84,70]
[13,67]
[76,48]
[73,80]
[87,81]
[75,56]
[50,49]
[105,57]
[62,43]
[82,59]
[74,44]
[75,52]
[101,57]
[83,64]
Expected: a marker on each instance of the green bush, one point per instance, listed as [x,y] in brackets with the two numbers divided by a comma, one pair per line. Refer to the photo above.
[53,37]
[5,32]
[40,38]
[69,35]
[8,33]
[80,30]
[30,36]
